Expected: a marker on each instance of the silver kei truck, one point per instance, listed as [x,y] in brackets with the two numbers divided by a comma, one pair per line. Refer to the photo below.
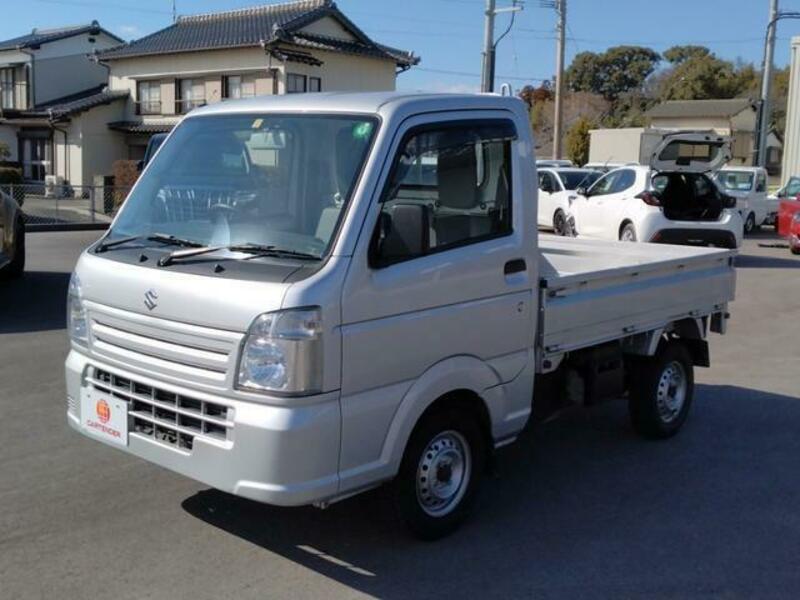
[307,296]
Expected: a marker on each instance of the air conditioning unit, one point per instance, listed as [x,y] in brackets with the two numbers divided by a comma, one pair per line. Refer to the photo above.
[53,186]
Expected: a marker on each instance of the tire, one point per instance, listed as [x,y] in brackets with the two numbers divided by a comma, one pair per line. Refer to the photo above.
[560,223]
[451,443]
[628,233]
[16,267]
[796,251]
[750,223]
[661,391]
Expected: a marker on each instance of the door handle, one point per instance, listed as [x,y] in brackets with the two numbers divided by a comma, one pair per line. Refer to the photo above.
[516,265]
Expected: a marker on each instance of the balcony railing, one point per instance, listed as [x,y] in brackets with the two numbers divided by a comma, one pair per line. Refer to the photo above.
[148,107]
[184,106]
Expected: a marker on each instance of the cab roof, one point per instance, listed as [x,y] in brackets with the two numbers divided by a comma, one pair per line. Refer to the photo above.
[361,102]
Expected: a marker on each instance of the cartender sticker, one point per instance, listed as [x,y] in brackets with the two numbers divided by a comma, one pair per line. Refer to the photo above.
[104,416]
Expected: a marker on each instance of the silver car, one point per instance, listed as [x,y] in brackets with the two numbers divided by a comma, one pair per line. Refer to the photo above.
[12,238]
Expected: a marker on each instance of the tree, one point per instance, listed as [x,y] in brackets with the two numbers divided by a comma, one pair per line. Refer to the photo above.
[679,54]
[577,142]
[703,77]
[611,73]
[533,95]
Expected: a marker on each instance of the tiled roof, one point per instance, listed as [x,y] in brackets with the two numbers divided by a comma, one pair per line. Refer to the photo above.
[70,105]
[257,26]
[143,128]
[43,36]
[700,108]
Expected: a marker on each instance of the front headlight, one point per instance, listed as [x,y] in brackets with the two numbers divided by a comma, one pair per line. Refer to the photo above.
[76,313]
[282,353]
[796,217]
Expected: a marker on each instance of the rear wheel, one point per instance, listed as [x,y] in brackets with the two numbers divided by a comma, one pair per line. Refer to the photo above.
[796,250]
[560,223]
[627,233]
[661,391]
[16,266]
[750,223]
[440,474]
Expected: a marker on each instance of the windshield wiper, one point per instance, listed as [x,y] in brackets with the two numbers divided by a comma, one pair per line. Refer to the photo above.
[257,250]
[169,240]
[114,243]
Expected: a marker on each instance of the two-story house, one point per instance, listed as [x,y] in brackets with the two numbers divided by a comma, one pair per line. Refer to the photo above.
[302,46]
[46,80]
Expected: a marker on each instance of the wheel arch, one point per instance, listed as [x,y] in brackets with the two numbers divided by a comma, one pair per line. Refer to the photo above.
[458,381]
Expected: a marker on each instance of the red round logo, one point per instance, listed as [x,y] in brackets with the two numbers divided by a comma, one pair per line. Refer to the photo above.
[103,411]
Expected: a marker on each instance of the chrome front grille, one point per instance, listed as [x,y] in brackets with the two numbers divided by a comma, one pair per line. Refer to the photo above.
[170,418]
[180,351]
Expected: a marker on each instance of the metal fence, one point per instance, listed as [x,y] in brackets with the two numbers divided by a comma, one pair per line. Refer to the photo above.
[48,207]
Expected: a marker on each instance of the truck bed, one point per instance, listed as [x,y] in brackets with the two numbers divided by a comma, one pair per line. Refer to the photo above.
[595,291]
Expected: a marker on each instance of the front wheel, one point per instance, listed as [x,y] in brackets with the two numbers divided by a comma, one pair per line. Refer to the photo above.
[661,391]
[628,233]
[560,223]
[440,474]
[750,223]
[16,266]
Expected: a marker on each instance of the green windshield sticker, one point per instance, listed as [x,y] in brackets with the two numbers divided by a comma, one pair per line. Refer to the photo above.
[362,130]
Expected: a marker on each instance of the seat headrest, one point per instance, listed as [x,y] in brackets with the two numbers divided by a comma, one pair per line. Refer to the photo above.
[457,170]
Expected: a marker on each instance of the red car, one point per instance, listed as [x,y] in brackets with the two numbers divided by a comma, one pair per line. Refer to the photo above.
[789,223]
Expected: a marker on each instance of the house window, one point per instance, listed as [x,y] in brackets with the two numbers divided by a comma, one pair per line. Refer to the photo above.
[314,84]
[7,88]
[296,84]
[149,98]
[236,86]
[191,94]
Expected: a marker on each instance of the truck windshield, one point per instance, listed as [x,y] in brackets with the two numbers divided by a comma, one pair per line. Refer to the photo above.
[273,180]
[736,181]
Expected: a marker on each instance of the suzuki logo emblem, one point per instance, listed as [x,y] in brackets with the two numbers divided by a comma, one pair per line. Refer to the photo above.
[150,297]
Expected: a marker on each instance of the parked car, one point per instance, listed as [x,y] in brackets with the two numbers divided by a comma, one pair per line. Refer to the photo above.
[153,144]
[12,238]
[794,234]
[289,339]
[790,191]
[786,214]
[671,201]
[556,187]
[749,186]
[605,167]
[554,163]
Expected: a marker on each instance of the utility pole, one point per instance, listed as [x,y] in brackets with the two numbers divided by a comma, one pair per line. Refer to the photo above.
[561,10]
[487,72]
[766,86]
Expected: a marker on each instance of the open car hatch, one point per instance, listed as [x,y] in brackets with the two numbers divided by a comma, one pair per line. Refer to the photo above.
[691,152]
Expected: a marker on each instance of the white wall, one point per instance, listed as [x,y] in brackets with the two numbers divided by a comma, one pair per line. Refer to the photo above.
[615,145]
[791,146]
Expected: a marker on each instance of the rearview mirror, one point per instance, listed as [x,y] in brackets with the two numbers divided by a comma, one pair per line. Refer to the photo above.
[403,232]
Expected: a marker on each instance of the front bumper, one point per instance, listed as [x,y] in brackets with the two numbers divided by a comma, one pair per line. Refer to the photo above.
[280,455]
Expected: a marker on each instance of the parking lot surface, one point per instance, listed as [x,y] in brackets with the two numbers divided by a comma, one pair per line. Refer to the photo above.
[581,507]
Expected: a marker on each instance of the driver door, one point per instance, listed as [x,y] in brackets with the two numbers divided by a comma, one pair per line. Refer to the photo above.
[598,214]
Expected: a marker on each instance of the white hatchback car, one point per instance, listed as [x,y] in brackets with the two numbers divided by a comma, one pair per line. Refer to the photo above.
[672,201]
[749,186]
[556,188]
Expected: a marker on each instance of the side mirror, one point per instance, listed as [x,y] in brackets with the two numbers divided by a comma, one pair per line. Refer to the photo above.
[140,166]
[582,191]
[403,232]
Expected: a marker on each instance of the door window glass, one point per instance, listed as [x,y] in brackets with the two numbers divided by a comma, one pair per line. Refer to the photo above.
[761,183]
[793,187]
[460,178]
[625,180]
[605,185]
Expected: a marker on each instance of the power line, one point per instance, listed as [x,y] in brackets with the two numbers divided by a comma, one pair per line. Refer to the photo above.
[477,75]
[90,3]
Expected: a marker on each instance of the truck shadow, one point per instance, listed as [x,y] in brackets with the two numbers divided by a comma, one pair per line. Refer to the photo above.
[581,506]
[751,261]
[35,302]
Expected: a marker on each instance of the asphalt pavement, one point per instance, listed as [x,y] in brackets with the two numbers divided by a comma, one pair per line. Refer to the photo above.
[581,507]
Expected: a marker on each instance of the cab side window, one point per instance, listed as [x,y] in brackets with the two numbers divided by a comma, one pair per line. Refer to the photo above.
[449,186]
[761,183]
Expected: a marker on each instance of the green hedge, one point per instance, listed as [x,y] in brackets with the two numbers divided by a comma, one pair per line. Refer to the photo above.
[10,175]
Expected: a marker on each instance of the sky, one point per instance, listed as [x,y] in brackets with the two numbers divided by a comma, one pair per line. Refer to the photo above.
[448,34]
